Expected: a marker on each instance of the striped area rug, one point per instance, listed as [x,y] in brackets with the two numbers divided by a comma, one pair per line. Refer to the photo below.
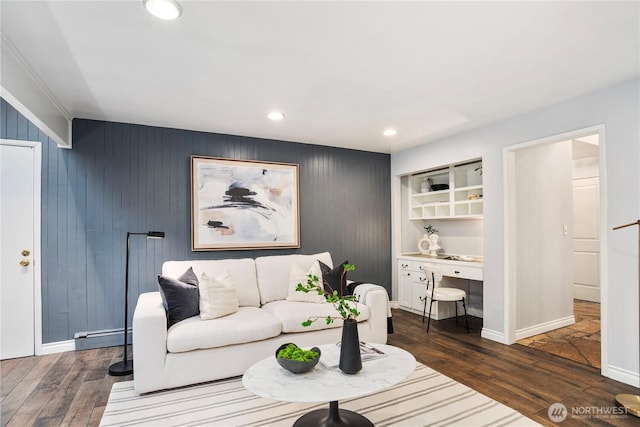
[426,398]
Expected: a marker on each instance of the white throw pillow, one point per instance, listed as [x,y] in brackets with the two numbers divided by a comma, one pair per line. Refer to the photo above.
[218,297]
[298,275]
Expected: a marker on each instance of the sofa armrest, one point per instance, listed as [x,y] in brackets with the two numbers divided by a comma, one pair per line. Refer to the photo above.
[149,342]
[377,299]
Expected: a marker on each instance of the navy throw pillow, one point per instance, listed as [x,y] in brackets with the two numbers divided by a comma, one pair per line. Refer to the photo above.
[181,300]
[333,278]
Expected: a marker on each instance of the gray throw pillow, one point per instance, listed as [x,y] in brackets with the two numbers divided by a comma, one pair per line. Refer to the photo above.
[189,277]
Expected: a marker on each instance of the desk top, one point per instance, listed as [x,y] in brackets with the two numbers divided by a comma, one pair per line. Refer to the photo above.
[470,261]
[324,384]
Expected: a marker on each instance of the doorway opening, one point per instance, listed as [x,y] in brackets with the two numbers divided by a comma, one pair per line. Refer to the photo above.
[564,317]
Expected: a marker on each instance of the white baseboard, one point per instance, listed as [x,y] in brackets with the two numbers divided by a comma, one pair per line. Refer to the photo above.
[544,327]
[622,375]
[493,335]
[586,293]
[57,347]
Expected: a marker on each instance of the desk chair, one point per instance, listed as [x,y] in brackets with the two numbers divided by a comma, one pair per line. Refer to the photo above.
[434,276]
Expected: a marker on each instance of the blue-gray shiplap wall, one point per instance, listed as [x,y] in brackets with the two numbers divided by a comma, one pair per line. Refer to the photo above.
[125,177]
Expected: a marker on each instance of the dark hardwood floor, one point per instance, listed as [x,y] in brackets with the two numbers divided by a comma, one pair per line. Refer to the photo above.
[63,389]
[523,378]
[71,389]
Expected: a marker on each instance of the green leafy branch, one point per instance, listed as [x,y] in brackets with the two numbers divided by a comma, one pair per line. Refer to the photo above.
[430,229]
[345,305]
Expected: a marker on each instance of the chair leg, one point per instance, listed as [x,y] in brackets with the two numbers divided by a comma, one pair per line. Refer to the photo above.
[424,310]
[429,319]
[456,304]
[465,314]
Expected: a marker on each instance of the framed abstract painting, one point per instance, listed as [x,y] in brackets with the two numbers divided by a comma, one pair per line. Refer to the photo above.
[241,204]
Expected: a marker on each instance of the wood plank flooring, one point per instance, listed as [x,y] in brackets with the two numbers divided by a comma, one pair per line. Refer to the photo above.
[522,378]
[580,342]
[71,389]
[62,389]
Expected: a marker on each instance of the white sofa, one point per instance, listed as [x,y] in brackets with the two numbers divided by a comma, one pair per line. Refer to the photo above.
[194,350]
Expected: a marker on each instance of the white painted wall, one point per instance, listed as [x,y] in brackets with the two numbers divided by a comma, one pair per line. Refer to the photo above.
[543,208]
[618,109]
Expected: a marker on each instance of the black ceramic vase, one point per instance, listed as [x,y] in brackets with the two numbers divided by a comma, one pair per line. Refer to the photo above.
[350,361]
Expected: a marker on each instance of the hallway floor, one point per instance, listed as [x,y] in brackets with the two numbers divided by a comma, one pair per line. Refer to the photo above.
[579,342]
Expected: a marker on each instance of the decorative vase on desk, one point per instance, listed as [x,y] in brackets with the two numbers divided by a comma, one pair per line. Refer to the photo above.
[350,360]
[431,241]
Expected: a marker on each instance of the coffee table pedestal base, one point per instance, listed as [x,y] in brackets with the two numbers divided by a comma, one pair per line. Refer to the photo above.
[332,417]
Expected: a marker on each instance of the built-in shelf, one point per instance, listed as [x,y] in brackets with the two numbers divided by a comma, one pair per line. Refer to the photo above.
[454,191]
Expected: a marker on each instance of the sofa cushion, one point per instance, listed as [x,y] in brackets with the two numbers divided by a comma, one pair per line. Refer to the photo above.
[218,296]
[180,300]
[248,324]
[299,275]
[273,273]
[242,271]
[293,313]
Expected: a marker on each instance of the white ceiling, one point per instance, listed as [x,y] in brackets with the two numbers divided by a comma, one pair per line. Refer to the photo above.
[342,72]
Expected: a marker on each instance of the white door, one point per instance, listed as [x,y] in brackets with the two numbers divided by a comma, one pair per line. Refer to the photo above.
[586,239]
[586,218]
[17,284]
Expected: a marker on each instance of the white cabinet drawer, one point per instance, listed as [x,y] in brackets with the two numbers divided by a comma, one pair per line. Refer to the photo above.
[451,270]
[419,266]
[462,271]
[420,278]
[404,265]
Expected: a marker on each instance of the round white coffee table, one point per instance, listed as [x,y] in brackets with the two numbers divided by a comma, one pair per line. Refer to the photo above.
[329,384]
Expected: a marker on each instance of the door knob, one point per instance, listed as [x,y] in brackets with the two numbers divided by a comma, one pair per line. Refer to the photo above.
[25,253]
[24,262]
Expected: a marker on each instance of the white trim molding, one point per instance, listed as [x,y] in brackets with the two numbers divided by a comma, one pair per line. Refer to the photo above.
[511,335]
[57,347]
[21,87]
[493,335]
[544,327]
[622,375]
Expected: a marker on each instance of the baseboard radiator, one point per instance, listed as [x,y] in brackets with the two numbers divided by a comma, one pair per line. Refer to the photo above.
[98,339]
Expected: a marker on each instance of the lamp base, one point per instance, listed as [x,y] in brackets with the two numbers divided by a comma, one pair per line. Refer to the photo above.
[631,402]
[120,369]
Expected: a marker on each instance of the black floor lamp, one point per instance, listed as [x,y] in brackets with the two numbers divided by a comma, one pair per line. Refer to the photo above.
[126,366]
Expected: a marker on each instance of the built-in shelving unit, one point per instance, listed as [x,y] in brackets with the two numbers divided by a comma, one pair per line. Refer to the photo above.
[454,191]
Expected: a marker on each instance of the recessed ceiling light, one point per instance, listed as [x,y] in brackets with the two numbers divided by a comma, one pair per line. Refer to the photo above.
[163,9]
[275,115]
[389,132]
